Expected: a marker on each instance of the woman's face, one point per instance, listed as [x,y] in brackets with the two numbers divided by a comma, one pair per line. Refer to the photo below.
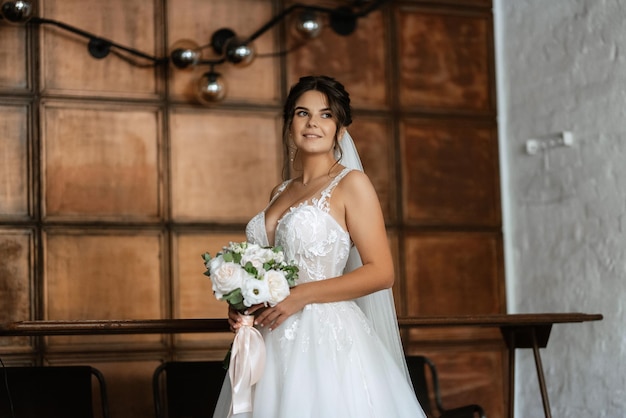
[313,127]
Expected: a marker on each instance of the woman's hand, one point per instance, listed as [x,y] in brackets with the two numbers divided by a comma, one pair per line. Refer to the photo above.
[234,317]
[272,317]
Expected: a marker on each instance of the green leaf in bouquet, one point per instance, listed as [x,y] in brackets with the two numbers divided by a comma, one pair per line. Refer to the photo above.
[250,269]
[228,257]
[235,298]
[291,274]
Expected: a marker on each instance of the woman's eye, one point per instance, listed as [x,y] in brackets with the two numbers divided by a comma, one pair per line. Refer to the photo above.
[327,115]
[301,113]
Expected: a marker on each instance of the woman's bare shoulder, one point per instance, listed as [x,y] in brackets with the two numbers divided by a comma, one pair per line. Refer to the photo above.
[355,180]
[355,187]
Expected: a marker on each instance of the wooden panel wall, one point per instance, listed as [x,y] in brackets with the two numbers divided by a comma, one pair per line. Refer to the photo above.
[113,180]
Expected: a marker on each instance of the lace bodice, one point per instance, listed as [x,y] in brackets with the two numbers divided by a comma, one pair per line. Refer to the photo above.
[309,235]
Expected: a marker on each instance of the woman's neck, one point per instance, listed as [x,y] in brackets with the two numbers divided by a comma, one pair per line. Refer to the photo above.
[314,170]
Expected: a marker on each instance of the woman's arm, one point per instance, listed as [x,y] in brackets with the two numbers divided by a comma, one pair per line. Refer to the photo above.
[356,202]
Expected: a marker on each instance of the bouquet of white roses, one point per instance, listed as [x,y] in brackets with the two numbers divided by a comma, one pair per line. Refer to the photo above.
[245,274]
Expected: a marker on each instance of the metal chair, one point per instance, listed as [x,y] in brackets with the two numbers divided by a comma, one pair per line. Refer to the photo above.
[191,388]
[51,392]
[420,367]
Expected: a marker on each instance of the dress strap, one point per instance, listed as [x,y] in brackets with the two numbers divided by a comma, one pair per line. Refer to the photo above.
[280,189]
[323,202]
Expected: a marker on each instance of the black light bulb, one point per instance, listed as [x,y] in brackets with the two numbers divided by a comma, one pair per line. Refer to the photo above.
[185,53]
[17,11]
[238,52]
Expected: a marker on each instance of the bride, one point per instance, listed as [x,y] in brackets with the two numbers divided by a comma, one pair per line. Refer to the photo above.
[333,346]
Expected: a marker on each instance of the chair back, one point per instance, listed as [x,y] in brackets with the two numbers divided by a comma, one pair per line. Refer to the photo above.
[50,392]
[188,389]
[426,385]
[418,367]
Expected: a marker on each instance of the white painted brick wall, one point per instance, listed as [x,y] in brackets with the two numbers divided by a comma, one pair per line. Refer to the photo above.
[562,67]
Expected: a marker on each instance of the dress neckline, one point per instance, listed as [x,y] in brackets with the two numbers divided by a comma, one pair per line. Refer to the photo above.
[315,201]
[290,211]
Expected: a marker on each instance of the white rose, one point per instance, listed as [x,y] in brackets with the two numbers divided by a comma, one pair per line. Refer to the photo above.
[226,277]
[267,254]
[277,286]
[214,263]
[254,291]
[257,256]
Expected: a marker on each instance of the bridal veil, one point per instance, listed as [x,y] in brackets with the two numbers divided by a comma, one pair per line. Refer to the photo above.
[379,307]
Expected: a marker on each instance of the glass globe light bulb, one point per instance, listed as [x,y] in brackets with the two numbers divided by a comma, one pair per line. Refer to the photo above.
[238,52]
[17,11]
[308,24]
[185,53]
[211,88]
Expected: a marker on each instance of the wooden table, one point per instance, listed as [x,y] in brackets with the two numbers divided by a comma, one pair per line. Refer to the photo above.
[518,330]
[113,326]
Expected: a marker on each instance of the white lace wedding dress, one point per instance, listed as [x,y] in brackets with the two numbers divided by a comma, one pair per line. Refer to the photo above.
[325,361]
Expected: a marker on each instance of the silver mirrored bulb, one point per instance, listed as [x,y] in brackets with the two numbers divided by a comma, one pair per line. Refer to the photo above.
[238,52]
[211,88]
[308,24]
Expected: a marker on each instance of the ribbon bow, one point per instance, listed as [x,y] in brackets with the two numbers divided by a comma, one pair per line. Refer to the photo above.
[247,362]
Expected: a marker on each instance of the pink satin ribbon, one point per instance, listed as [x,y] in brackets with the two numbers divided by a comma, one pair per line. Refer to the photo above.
[247,362]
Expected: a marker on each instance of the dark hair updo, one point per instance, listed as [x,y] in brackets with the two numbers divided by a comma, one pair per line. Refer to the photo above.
[338,101]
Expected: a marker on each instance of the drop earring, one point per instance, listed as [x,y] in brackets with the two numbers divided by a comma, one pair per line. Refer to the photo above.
[293,155]
[293,150]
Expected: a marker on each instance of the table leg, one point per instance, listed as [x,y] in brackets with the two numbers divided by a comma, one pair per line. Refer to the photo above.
[540,376]
[511,375]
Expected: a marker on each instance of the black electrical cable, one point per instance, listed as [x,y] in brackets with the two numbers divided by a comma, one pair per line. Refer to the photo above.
[101,47]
